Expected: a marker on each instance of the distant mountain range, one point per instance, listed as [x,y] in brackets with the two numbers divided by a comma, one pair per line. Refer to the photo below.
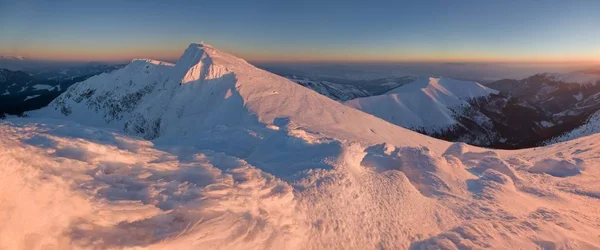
[12,58]
[502,114]
[29,65]
[22,91]
[344,90]
[214,153]
[570,99]
[508,113]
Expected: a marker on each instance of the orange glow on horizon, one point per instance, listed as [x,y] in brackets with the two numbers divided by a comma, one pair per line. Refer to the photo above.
[173,53]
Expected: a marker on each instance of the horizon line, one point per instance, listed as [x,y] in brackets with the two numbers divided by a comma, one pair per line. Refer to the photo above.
[326,61]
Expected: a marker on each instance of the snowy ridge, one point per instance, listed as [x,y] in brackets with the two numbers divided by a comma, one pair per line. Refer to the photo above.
[567,99]
[192,96]
[151,61]
[113,96]
[574,77]
[16,58]
[44,85]
[428,103]
[244,159]
[434,86]
[589,127]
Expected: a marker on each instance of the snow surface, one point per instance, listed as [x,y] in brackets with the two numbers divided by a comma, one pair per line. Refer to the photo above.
[30,97]
[151,61]
[245,159]
[428,103]
[546,124]
[56,88]
[208,90]
[591,126]
[41,86]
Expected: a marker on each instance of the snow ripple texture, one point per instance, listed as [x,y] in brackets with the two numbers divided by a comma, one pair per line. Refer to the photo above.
[213,153]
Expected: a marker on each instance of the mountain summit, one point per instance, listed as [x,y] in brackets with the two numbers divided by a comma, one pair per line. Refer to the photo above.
[235,157]
[205,89]
[428,103]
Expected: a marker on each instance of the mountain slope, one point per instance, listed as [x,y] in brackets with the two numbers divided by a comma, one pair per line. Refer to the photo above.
[23,91]
[588,127]
[244,159]
[444,108]
[554,92]
[469,112]
[20,91]
[427,103]
[206,89]
[571,98]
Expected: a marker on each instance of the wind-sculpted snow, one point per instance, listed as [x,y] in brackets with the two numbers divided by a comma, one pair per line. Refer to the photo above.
[243,159]
[104,190]
[66,185]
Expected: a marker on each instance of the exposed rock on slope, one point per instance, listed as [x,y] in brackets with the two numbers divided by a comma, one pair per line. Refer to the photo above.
[459,111]
[570,99]
[22,91]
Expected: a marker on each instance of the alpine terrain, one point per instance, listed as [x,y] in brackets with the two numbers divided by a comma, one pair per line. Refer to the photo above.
[462,111]
[22,91]
[214,153]
[571,99]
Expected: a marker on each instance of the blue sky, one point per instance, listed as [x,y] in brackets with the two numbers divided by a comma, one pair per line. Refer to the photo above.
[309,30]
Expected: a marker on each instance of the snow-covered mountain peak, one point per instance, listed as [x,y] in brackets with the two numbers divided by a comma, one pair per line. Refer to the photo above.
[447,86]
[210,90]
[430,104]
[15,58]
[241,158]
[201,62]
[197,52]
[194,54]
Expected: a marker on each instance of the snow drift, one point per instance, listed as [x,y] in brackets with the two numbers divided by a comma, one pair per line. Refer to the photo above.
[244,159]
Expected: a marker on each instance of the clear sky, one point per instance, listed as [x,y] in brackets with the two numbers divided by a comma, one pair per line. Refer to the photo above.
[305,30]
